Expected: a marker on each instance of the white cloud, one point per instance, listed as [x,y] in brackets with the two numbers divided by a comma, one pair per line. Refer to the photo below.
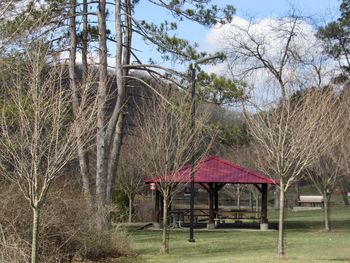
[93,58]
[270,35]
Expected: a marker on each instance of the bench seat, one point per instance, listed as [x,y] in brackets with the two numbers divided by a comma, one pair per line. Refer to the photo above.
[311,199]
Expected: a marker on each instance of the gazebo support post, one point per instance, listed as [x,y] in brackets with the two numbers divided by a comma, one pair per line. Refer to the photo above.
[161,219]
[156,218]
[217,188]
[263,214]
[211,206]
[216,201]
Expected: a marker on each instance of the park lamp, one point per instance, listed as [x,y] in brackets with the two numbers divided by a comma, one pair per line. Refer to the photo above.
[193,112]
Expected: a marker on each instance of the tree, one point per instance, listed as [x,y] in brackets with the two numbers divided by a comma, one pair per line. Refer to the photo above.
[324,174]
[101,169]
[38,129]
[131,177]
[53,18]
[290,141]
[340,152]
[336,36]
[25,21]
[110,128]
[290,133]
[82,155]
[218,89]
[167,142]
[329,168]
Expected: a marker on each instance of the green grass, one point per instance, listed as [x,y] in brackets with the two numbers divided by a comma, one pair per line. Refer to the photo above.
[305,242]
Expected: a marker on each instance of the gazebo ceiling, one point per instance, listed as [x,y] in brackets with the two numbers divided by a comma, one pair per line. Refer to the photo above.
[215,169]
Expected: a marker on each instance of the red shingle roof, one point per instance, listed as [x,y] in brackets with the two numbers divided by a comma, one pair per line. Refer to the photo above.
[217,170]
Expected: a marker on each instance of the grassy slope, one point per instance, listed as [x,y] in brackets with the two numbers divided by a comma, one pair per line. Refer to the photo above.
[305,242]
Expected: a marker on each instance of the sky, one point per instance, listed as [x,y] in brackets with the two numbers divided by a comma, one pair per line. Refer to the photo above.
[320,12]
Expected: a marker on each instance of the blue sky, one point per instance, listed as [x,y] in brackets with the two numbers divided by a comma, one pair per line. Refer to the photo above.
[320,10]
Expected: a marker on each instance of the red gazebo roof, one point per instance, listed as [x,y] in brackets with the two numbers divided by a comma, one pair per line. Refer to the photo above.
[215,169]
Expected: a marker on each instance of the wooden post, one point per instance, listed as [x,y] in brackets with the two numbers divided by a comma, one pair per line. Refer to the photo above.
[211,203]
[156,208]
[161,208]
[216,197]
[263,219]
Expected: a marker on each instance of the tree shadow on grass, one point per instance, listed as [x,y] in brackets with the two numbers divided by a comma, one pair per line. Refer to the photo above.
[337,259]
[317,225]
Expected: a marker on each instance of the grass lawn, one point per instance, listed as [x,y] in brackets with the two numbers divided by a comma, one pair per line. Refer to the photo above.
[305,242]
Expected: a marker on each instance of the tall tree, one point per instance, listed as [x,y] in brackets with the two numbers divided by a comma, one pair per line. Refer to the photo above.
[336,35]
[101,143]
[83,164]
[112,103]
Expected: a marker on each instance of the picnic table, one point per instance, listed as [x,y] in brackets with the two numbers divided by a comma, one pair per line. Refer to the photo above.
[179,216]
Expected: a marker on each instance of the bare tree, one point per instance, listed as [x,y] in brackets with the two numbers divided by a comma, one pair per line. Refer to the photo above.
[329,169]
[38,130]
[291,138]
[291,129]
[342,156]
[130,177]
[324,174]
[167,142]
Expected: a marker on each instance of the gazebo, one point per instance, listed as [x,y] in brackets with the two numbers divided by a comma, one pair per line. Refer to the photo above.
[213,173]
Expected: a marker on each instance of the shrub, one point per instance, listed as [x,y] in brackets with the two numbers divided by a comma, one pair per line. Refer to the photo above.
[65,233]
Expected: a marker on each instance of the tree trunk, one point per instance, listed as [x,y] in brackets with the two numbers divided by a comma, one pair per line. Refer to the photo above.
[35,234]
[130,208]
[84,41]
[75,101]
[165,246]
[101,162]
[326,212]
[281,222]
[83,155]
[116,127]
[114,158]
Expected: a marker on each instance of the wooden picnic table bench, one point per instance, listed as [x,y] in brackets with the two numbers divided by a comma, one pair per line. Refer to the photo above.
[179,216]
[237,214]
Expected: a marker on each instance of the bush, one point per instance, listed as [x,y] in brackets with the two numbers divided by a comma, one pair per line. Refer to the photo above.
[102,245]
[144,209]
[65,232]
[119,211]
